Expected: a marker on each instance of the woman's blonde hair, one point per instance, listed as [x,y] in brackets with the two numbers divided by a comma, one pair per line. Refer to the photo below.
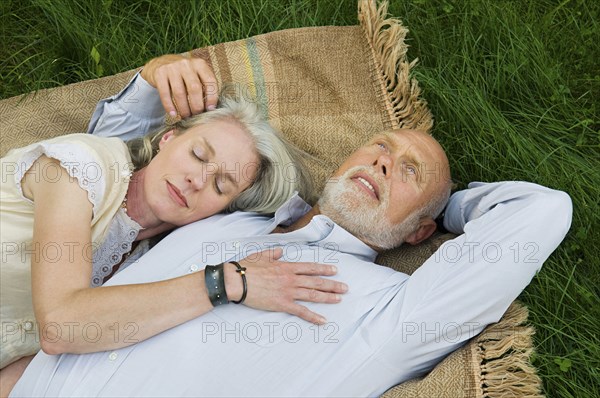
[281,167]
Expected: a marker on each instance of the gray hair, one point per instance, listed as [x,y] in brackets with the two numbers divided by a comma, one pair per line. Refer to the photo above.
[281,169]
[436,205]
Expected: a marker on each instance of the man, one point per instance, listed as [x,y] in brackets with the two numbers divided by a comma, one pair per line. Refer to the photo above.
[388,328]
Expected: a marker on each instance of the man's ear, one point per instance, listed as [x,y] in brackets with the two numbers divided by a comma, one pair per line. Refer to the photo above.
[166,138]
[426,229]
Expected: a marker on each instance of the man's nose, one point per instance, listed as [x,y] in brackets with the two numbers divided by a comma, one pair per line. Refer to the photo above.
[383,164]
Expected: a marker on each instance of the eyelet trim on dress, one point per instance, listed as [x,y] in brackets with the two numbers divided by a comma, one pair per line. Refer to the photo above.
[120,236]
[74,160]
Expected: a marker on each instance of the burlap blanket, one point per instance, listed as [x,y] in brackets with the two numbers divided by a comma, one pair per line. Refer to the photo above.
[328,89]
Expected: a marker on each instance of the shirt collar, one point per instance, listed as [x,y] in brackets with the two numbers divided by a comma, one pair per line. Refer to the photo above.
[332,235]
[288,213]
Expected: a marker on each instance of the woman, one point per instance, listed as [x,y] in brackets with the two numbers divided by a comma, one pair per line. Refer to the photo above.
[74,206]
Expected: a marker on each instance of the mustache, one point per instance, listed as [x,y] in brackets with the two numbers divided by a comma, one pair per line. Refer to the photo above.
[366,170]
[346,188]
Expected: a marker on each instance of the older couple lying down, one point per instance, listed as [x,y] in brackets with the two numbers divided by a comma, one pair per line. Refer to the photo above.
[318,317]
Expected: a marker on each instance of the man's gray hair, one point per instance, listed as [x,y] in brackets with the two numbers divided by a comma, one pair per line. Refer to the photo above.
[436,205]
[281,168]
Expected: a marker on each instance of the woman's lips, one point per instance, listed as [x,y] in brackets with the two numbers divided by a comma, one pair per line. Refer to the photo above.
[176,195]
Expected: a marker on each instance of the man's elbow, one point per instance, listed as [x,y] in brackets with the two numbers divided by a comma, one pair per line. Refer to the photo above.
[564,206]
[557,212]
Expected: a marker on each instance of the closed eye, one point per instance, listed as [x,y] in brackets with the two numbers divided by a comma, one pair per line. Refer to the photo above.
[219,181]
[198,154]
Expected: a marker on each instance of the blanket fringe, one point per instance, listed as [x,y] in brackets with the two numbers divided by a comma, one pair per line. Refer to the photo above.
[503,351]
[399,92]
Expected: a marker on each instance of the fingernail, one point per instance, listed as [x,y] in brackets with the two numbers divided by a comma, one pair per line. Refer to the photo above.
[333,268]
[211,107]
[173,113]
[321,320]
[344,288]
[338,297]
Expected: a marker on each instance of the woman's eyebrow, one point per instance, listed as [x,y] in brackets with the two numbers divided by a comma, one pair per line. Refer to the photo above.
[231,177]
[210,148]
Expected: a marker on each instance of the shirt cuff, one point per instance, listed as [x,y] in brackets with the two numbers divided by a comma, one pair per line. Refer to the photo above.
[140,99]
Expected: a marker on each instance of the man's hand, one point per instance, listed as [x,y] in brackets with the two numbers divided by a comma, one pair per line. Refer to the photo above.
[276,286]
[186,86]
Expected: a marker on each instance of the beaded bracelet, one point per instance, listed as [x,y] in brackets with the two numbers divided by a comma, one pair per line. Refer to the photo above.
[242,271]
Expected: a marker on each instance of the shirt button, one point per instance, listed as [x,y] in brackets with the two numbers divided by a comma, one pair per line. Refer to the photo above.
[113,356]
[194,268]
[28,326]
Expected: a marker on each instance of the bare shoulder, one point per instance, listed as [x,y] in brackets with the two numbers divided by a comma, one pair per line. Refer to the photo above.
[47,179]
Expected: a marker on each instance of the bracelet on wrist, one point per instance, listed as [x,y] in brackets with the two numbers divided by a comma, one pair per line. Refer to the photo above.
[242,271]
[214,277]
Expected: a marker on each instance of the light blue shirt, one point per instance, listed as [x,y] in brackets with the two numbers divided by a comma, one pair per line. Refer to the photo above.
[133,112]
[389,327]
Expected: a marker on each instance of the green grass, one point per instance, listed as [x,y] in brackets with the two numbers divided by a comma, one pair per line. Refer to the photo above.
[514,87]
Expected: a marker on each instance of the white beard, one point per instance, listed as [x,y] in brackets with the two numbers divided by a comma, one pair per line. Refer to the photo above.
[345,203]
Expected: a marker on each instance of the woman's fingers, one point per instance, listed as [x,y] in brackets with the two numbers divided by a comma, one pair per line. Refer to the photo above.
[314,283]
[317,296]
[312,268]
[274,253]
[265,257]
[275,285]
[302,312]
[301,275]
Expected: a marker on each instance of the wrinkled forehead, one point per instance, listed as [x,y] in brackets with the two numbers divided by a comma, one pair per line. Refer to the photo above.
[414,141]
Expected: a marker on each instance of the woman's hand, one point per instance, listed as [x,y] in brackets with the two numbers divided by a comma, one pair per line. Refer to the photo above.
[186,86]
[276,286]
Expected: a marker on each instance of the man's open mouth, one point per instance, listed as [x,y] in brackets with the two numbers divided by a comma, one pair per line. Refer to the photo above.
[367,183]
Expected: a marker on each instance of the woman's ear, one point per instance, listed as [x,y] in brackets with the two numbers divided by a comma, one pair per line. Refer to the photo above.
[166,138]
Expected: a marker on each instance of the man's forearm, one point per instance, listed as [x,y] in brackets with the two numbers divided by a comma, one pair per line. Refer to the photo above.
[480,198]
[133,112]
